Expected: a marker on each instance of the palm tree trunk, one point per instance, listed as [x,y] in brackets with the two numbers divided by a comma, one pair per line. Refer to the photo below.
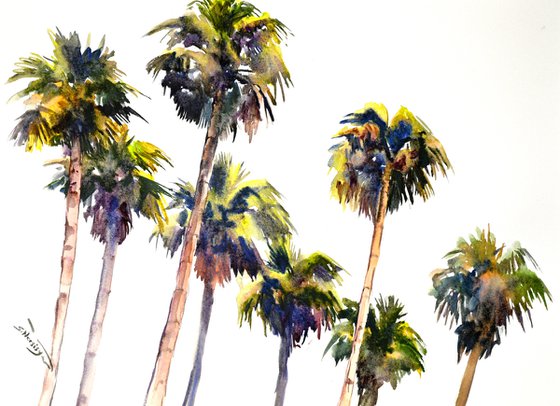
[67,265]
[96,327]
[467,380]
[205,313]
[158,382]
[349,380]
[282,381]
[370,395]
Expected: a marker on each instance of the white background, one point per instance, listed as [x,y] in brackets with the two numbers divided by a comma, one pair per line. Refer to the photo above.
[485,77]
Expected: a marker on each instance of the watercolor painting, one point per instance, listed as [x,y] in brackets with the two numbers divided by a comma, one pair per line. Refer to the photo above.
[183,177]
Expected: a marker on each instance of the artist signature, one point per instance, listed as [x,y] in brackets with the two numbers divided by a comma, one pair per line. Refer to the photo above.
[34,346]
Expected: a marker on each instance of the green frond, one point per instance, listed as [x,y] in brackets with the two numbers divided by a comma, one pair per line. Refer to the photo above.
[523,288]
[148,156]
[320,267]
[248,300]
[225,14]
[341,341]
[201,33]
[151,200]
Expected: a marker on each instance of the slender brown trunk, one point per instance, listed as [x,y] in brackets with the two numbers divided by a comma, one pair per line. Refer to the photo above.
[350,377]
[158,382]
[96,327]
[67,265]
[467,380]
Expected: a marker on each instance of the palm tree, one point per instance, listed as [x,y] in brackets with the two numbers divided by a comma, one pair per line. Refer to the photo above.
[75,97]
[238,213]
[391,348]
[296,294]
[121,181]
[484,286]
[222,66]
[379,166]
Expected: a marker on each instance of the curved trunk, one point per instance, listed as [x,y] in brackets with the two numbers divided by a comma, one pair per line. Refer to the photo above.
[96,327]
[282,381]
[467,380]
[67,265]
[158,382]
[350,377]
[205,313]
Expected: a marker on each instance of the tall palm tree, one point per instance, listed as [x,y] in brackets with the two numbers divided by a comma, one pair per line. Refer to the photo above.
[380,165]
[483,287]
[222,66]
[238,213]
[117,182]
[391,348]
[295,295]
[74,100]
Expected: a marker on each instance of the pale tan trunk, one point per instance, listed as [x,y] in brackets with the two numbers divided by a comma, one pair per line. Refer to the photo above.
[350,377]
[96,327]
[160,374]
[467,380]
[67,264]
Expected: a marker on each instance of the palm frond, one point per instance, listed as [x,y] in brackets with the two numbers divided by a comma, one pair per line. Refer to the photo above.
[72,94]
[483,287]
[391,349]
[296,295]
[229,48]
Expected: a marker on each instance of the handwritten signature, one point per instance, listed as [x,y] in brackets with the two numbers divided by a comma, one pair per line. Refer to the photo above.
[35,347]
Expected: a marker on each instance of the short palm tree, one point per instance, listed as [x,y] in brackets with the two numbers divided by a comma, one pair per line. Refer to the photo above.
[391,348]
[296,294]
[483,287]
[116,181]
[222,66]
[238,213]
[378,166]
[74,99]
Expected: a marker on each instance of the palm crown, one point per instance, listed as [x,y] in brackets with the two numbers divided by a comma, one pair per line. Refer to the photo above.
[118,180]
[391,348]
[238,213]
[482,287]
[72,94]
[297,294]
[229,48]
[371,144]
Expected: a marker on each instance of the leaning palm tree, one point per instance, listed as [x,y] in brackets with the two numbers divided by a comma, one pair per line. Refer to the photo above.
[483,287]
[238,213]
[295,295]
[380,165]
[391,348]
[222,66]
[74,99]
